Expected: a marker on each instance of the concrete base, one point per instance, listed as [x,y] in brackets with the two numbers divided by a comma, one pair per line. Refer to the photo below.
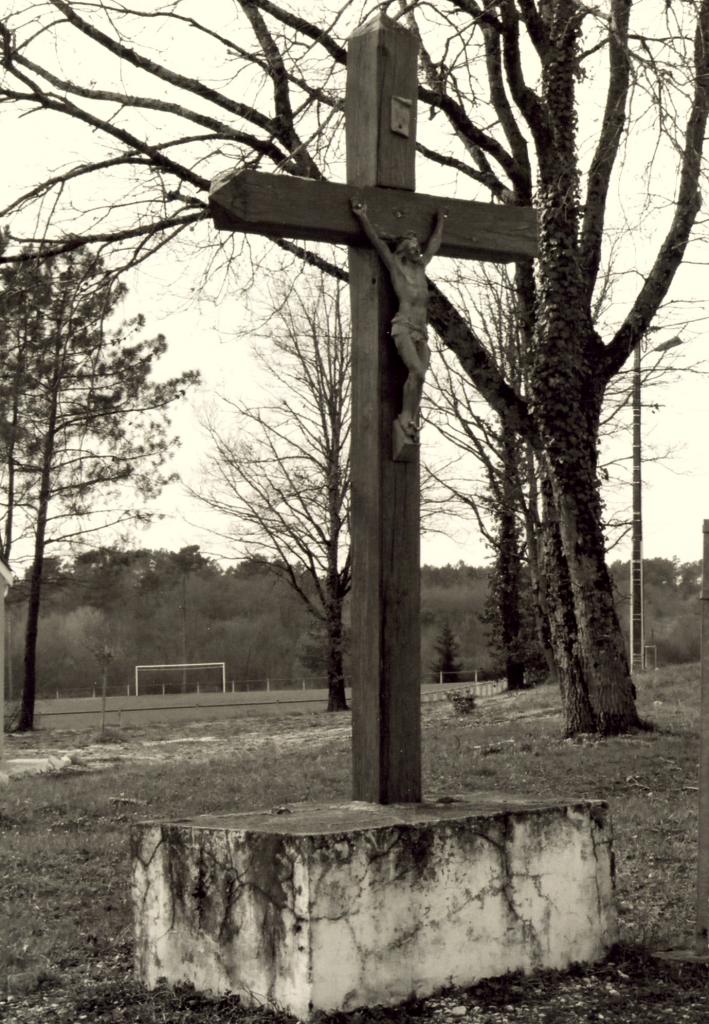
[333,907]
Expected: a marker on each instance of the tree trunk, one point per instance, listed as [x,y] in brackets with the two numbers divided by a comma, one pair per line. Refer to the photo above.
[6,546]
[578,714]
[588,643]
[336,699]
[566,390]
[104,688]
[601,646]
[514,673]
[509,566]
[336,581]
[29,687]
[537,578]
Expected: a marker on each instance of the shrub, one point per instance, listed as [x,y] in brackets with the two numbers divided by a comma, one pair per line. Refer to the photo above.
[463,701]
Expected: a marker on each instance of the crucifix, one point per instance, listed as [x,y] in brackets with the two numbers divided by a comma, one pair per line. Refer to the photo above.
[379,204]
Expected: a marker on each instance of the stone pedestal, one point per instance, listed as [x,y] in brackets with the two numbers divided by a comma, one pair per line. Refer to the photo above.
[332,907]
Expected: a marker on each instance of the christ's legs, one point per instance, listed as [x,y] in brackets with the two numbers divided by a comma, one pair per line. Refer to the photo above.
[414,353]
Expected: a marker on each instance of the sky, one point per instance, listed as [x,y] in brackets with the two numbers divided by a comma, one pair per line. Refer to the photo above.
[203,334]
[675,433]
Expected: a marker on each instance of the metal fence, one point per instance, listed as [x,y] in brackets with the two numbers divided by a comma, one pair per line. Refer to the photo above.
[174,687]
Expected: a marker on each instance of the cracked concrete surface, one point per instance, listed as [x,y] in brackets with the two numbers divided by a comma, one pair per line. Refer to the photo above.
[331,907]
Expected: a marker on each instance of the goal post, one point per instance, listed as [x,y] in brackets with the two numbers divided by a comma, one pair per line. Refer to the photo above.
[176,666]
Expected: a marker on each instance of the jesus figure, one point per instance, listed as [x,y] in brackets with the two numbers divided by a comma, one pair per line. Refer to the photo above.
[407,270]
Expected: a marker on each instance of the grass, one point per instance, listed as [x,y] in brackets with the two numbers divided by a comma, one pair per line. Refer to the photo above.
[66,943]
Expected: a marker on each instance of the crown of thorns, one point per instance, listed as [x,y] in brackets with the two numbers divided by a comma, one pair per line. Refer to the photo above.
[410,236]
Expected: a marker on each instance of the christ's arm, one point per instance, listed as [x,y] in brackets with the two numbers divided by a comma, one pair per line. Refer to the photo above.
[359,208]
[434,242]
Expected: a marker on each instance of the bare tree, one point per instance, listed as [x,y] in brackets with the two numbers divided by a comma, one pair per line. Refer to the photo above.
[100,639]
[492,475]
[280,472]
[501,84]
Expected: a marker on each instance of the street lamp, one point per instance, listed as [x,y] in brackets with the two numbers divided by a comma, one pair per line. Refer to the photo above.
[5,584]
[637,622]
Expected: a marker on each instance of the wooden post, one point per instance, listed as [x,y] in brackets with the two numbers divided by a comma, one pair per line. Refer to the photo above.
[702,929]
[380,117]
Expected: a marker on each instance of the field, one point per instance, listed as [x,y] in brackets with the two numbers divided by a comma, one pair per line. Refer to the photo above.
[65,944]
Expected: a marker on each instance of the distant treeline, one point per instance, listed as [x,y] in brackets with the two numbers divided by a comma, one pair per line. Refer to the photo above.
[120,608]
[148,607]
[672,611]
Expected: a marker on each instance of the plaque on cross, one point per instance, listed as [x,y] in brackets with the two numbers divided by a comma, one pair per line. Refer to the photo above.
[380,125]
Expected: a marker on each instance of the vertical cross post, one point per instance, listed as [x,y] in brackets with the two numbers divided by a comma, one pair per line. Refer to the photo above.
[386,662]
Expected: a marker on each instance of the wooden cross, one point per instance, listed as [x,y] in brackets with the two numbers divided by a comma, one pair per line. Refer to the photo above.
[380,117]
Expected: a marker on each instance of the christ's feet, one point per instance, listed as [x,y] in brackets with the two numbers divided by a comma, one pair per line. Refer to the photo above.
[409,427]
[405,440]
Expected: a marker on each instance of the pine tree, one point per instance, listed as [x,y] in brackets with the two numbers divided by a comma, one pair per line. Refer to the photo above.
[446,664]
[82,418]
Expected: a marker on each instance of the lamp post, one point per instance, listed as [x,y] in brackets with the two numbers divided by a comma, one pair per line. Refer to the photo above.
[5,583]
[637,618]
[701,936]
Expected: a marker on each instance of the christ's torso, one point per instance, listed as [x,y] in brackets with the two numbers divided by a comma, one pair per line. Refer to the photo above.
[412,291]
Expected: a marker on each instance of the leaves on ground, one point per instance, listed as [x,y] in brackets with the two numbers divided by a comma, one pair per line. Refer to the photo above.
[66,943]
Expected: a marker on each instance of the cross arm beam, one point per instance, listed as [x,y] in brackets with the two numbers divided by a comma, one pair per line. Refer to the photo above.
[280,205]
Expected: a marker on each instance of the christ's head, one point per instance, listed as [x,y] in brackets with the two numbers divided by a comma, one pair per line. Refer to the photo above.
[408,248]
